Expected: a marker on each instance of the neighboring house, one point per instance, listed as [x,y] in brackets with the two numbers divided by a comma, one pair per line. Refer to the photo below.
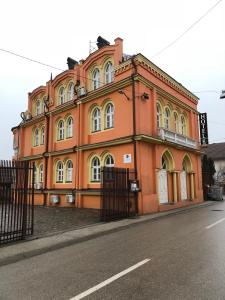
[217,152]
[112,109]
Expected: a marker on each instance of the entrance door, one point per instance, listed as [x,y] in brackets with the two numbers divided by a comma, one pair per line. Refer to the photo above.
[163,188]
[183,183]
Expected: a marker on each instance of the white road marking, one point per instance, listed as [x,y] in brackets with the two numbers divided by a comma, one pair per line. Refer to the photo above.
[111,279]
[221,220]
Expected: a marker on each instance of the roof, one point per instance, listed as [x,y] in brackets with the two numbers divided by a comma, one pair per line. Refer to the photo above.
[216,151]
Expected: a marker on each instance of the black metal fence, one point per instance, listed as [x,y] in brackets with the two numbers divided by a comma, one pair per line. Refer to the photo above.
[117,200]
[16,200]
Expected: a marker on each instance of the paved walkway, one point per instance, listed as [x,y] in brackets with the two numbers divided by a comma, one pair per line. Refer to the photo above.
[21,250]
[52,220]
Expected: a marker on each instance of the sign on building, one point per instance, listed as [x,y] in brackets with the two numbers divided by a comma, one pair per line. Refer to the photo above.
[127,158]
[203,129]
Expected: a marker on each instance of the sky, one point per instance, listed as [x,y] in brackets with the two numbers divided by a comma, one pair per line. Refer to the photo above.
[50,31]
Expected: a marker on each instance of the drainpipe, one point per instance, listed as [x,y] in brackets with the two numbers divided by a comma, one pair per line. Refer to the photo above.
[134,114]
[46,150]
[134,73]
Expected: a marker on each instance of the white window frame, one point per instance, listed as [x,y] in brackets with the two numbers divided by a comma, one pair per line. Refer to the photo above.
[167,118]
[159,114]
[36,137]
[108,72]
[42,135]
[176,122]
[61,95]
[60,130]
[183,125]
[96,79]
[38,107]
[41,173]
[109,161]
[59,172]
[70,93]
[96,119]
[69,127]
[109,116]
[69,171]
[95,169]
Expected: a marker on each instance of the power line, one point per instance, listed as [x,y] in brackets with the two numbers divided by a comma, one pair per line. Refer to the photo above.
[30,59]
[188,29]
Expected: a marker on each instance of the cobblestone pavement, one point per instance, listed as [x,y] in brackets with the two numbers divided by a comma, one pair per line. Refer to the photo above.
[50,220]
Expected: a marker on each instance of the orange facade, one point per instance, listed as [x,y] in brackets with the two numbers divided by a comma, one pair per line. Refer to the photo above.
[115,110]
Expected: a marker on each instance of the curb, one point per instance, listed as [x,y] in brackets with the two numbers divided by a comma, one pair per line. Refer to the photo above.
[26,249]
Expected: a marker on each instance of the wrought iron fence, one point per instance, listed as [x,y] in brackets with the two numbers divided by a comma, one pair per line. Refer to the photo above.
[16,200]
[117,201]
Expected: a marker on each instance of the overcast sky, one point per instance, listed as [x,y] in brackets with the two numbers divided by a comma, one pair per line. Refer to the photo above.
[50,31]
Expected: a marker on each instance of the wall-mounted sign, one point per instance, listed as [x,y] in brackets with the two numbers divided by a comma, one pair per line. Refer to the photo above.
[127,158]
[203,129]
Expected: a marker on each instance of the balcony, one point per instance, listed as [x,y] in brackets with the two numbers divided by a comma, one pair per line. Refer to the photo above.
[177,138]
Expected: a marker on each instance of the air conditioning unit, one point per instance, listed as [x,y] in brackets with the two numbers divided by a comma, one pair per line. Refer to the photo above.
[81,92]
[38,185]
[70,198]
[54,199]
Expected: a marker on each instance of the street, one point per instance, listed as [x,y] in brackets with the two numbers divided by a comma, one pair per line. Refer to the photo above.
[181,256]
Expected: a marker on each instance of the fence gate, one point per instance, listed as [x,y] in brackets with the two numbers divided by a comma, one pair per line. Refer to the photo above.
[117,200]
[16,200]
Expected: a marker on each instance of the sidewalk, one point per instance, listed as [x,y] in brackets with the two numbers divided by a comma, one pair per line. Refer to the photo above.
[32,247]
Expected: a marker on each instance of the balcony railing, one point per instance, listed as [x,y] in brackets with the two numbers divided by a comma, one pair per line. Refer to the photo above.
[177,138]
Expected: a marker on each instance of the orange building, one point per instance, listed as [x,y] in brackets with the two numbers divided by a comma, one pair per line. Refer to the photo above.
[112,109]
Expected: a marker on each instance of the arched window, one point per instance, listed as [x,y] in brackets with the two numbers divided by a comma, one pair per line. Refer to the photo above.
[109,116]
[42,135]
[183,125]
[96,79]
[176,122]
[96,119]
[109,161]
[59,172]
[38,107]
[41,172]
[35,174]
[60,133]
[69,171]
[164,163]
[70,91]
[36,137]
[108,72]
[167,118]
[69,127]
[159,114]
[61,99]
[95,169]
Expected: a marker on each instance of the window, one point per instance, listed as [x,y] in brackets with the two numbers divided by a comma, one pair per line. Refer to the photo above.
[60,133]
[96,79]
[109,116]
[109,161]
[41,172]
[61,95]
[183,125]
[176,124]
[42,135]
[167,118]
[36,137]
[70,91]
[69,171]
[96,120]
[35,174]
[108,72]
[59,172]
[159,113]
[95,169]
[38,107]
[164,163]
[69,127]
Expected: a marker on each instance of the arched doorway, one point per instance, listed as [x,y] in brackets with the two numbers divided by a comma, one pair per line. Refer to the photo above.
[185,179]
[164,178]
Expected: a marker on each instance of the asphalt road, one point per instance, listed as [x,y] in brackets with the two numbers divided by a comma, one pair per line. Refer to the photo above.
[186,260]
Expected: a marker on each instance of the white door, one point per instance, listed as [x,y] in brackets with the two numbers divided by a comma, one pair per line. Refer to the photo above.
[183,184]
[163,188]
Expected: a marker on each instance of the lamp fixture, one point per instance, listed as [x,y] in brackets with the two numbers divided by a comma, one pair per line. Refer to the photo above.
[123,93]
